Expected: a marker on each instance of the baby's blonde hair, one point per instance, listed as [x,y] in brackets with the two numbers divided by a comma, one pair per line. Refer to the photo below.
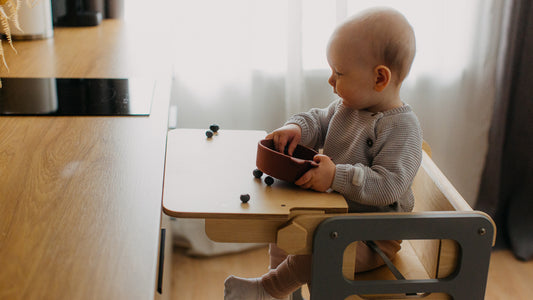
[392,39]
[397,47]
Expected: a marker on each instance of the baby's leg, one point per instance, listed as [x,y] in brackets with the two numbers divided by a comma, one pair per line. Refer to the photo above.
[367,259]
[237,288]
[287,274]
[277,255]
[291,274]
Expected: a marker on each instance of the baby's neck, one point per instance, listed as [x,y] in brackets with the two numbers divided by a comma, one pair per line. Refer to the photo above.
[387,104]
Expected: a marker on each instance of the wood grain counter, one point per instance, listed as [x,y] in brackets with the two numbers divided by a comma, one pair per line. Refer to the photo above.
[80,197]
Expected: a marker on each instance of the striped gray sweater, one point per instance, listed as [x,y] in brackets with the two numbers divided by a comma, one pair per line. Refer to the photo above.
[376,154]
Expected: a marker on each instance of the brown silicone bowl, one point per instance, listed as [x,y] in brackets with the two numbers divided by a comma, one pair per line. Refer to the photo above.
[283,166]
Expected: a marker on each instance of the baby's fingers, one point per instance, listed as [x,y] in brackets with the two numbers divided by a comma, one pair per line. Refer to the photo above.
[292,147]
[279,142]
[304,181]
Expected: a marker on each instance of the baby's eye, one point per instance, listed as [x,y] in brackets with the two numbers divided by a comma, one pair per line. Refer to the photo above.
[338,73]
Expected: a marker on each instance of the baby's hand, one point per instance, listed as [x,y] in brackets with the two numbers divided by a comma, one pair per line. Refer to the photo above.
[288,135]
[320,178]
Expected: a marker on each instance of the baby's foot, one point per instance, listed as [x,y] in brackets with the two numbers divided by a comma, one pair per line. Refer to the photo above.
[236,288]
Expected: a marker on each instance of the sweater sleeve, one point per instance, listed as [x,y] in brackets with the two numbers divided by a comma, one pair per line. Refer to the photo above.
[387,180]
[314,124]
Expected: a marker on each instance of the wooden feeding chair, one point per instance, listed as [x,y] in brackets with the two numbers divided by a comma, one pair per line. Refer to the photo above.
[446,245]
[445,250]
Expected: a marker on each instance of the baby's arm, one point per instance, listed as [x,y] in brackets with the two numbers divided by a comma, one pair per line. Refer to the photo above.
[314,124]
[308,128]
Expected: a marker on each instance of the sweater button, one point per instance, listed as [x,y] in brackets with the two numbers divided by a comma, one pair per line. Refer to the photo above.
[369,142]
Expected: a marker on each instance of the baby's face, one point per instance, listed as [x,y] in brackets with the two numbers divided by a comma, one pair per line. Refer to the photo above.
[363,75]
[351,72]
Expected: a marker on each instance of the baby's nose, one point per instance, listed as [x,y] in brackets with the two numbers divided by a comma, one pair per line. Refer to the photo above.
[332,80]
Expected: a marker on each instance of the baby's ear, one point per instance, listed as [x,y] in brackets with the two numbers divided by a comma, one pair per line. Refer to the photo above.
[382,75]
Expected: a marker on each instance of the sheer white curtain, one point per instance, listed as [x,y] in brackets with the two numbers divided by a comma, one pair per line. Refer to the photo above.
[251,63]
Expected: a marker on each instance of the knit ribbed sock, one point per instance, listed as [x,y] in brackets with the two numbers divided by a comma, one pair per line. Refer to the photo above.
[236,288]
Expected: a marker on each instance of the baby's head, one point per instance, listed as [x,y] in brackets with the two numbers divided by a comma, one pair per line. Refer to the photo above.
[387,36]
[377,44]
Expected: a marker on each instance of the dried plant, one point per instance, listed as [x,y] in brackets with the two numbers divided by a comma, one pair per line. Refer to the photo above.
[8,12]
[9,15]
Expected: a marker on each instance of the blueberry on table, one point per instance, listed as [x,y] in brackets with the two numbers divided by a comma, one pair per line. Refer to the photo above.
[209,134]
[269,180]
[257,173]
[214,127]
[245,198]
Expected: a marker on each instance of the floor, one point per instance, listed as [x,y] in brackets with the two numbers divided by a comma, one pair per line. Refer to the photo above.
[203,278]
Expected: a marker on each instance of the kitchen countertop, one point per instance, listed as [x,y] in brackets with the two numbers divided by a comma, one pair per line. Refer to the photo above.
[80,197]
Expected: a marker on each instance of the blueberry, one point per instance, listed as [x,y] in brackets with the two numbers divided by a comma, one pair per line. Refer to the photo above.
[269,180]
[214,127]
[209,134]
[245,198]
[257,173]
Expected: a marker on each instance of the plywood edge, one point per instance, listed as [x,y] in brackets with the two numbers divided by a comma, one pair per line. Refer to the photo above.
[242,231]
[444,185]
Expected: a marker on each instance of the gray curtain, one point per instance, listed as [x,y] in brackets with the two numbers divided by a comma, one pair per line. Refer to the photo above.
[506,190]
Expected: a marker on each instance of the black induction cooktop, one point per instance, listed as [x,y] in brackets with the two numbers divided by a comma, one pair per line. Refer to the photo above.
[76,96]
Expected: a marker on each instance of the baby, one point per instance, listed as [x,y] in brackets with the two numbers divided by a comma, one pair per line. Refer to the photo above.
[371,142]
